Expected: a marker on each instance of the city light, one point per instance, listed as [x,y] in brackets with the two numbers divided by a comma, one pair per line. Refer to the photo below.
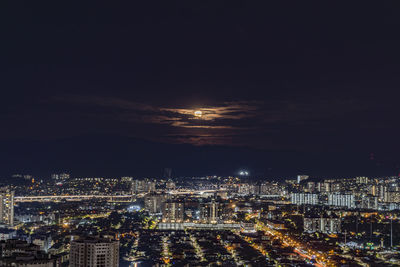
[134,208]
[200,134]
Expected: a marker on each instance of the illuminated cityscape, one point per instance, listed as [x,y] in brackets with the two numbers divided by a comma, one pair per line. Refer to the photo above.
[210,220]
[199,133]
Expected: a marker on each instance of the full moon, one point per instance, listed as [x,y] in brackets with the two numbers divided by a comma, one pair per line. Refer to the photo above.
[198,113]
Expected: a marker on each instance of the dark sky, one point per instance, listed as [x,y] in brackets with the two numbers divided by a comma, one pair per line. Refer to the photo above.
[309,77]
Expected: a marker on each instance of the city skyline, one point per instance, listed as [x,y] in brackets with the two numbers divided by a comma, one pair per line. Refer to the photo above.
[210,133]
[124,221]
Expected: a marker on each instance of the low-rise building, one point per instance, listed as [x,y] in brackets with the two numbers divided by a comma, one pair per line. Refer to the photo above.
[20,253]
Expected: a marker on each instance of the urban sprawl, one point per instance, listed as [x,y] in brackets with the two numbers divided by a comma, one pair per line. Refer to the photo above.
[199,221]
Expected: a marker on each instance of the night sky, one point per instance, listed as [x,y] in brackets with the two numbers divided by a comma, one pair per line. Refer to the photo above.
[284,88]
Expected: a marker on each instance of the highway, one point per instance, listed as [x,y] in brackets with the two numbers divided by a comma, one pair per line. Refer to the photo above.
[56,198]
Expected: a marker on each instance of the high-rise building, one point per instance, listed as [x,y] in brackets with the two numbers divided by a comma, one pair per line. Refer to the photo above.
[94,252]
[392,196]
[170,185]
[362,180]
[382,192]
[127,179]
[271,189]
[323,187]
[369,202]
[322,225]
[336,187]
[304,198]
[210,212]
[373,190]
[173,211]
[143,186]
[341,200]
[60,176]
[310,187]
[249,189]
[153,203]
[6,206]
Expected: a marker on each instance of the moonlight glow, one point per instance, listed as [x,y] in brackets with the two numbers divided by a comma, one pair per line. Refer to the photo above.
[198,113]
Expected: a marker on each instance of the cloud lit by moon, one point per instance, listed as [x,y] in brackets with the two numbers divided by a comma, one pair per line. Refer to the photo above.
[198,113]
[218,123]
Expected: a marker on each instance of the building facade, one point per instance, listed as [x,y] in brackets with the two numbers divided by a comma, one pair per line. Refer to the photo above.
[173,211]
[304,199]
[211,212]
[94,252]
[322,225]
[6,206]
[341,200]
[153,203]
